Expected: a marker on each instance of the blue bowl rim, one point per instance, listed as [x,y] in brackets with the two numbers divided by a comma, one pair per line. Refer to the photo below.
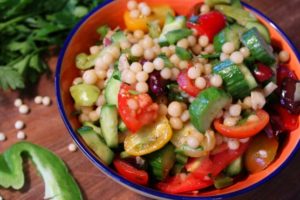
[111,173]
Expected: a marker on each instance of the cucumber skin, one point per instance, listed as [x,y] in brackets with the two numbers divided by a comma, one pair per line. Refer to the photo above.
[111,91]
[109,125]
[258,47]
[162,161]
[235,167]
[207,106]
[99,147]
[231,75]
[261,29]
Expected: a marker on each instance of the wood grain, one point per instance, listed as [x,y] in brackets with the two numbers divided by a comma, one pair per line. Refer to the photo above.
[45,127]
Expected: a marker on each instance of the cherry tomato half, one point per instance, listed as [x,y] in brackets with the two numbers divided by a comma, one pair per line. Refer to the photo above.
[186,84]
[246,129]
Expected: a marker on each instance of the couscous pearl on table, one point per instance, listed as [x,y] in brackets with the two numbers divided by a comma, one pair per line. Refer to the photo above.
[284,56]
[72,147]
[136,67]
[235,110]
[216,80]
[142,76]
[237,57]
[18,102]
[19,124]
[200,83]
[2,137]
[142,87]
[175,109]
[228,48]
[158,63]
[148,67]
[134,13]
[176,123]
[46,101]
[132,104]
[245,51]
[203,40]
[132,5]
[21,135]
[38,99]
[24,109]
[166,73]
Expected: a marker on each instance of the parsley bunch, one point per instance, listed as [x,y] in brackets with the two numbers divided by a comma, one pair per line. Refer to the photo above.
[28,29]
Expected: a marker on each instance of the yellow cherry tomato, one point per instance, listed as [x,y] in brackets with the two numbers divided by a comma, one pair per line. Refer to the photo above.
[206,141]
[158,13]
[150,138]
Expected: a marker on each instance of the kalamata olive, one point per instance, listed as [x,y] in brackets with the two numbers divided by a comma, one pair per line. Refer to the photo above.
[262,73]
[289,95]
[157,84]
[284,72]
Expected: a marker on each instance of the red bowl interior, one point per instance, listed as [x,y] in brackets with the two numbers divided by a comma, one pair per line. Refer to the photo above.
[111,14]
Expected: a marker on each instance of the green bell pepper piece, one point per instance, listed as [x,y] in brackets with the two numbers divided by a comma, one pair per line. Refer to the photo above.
[59,184]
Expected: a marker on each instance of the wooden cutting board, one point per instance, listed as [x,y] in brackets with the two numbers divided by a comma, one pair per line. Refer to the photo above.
[44,126]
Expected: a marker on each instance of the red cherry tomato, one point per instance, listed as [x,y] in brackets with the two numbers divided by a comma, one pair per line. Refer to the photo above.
[209,24]
[146,112]
[290,121]
[131,173]
[186,84]
[246,129]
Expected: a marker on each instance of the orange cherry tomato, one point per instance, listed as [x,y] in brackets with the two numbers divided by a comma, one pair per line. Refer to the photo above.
[260,153]
[244,130]
[158,13]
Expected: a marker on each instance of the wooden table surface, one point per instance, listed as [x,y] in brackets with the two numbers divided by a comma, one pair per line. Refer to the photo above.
[44,126]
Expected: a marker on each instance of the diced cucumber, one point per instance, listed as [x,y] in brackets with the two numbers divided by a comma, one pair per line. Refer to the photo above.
[261,29]
[204,109]
[176,35]
[258,47]
[236,82]
[109,125]
[211,3]
[91,138]
[235,167]
[236,3]
[94,127]
[162,161]
[239,14]
[154,28]
[222,181]
[124,155]
[118,36]
[229,34]
[248,77]
[84,94]
[176,169]
[172,23]
[183,54]
[112,90]
[122,126]
[181,158]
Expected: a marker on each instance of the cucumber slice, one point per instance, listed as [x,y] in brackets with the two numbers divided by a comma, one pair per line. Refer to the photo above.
[112,90]
[183,54]
[222,181]
[181,158]
[94,127]
[91,138]
[229,34]
[211,3]
[261,29]
[118,37]
[238,80]
[235,167]
[122,126]
[258,47]
[162,161]
[109,125]
[176,35]
[204,109]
